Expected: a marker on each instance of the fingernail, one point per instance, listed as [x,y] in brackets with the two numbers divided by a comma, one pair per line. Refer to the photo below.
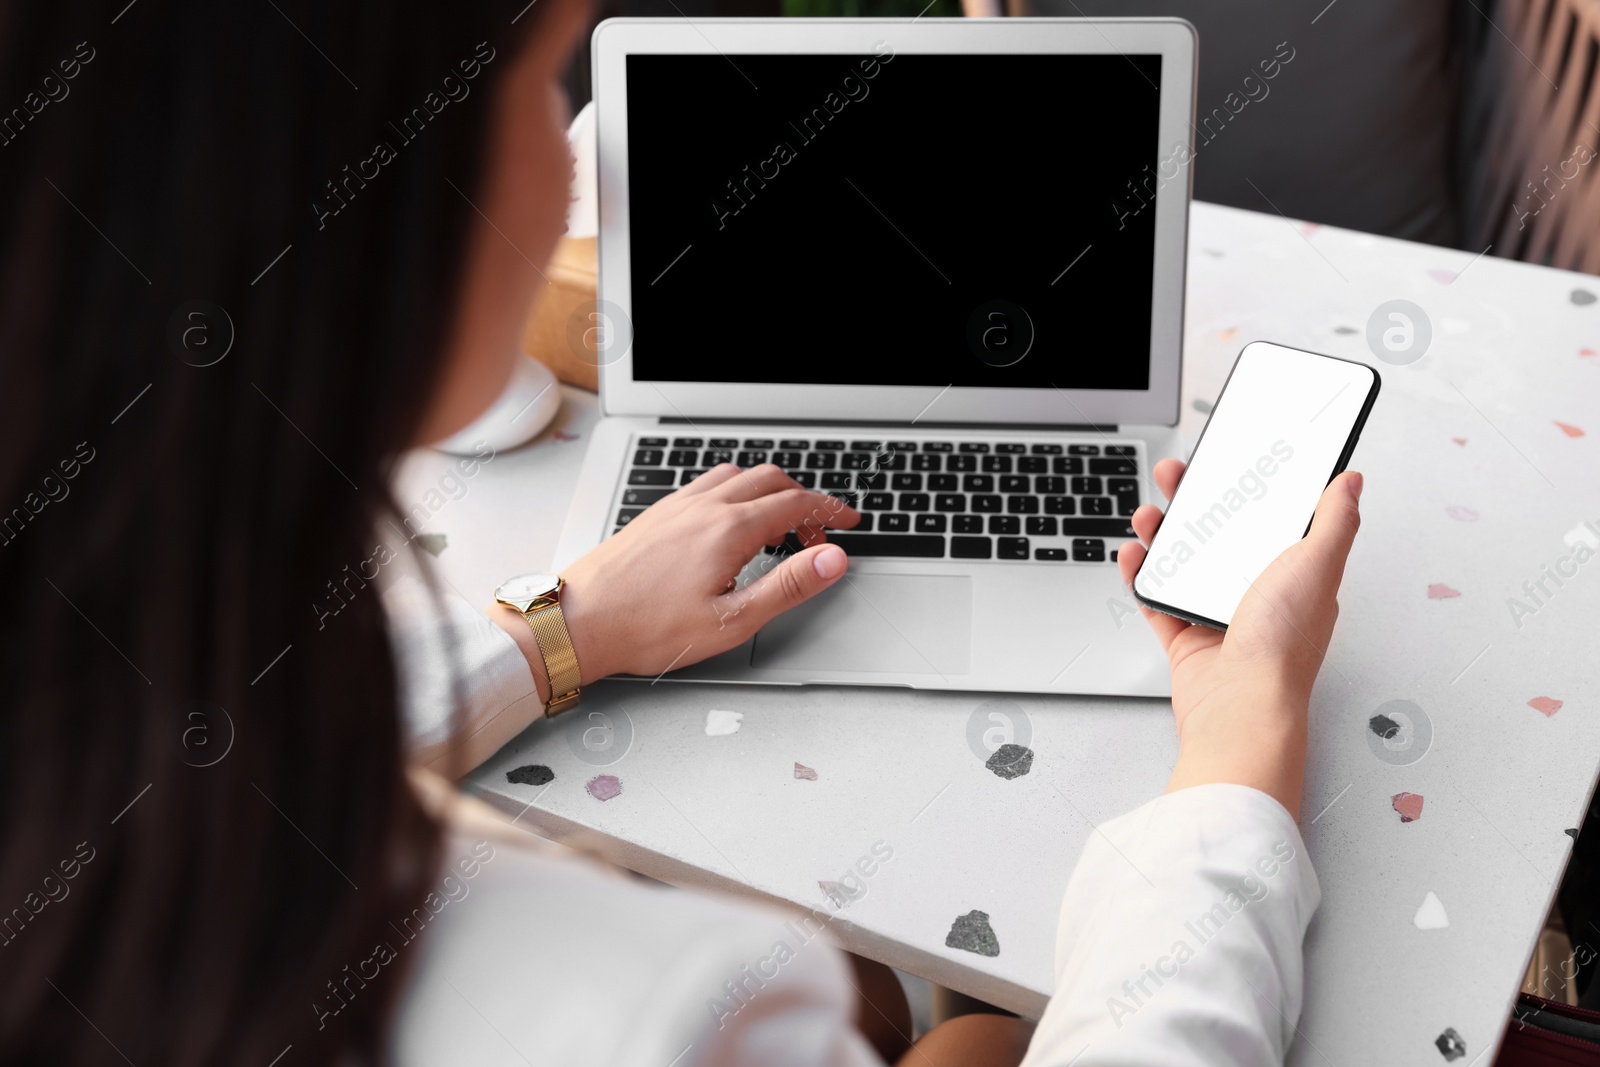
[1356,484]
[829,563]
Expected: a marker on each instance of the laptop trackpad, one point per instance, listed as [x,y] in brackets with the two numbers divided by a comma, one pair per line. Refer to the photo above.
[881,623]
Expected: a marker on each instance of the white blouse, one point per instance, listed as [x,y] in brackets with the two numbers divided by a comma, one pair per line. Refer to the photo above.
[1179,941]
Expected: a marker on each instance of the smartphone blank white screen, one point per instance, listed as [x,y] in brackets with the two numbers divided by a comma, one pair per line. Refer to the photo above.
[1274,439]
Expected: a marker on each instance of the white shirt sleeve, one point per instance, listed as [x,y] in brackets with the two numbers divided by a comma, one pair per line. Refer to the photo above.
[1180,937]
[447,650]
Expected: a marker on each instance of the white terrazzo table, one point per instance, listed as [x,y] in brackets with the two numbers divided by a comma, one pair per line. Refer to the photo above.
[1483,465]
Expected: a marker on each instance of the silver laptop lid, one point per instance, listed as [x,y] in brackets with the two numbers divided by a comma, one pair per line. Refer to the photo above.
[953,221]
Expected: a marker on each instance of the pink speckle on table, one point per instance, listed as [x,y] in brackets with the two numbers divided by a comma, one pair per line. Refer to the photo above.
[1228,333]
[1443,277]
[1569,429]
[1308,229]
[1462,441]
[1461,514]
[802,771]
[1407,805]
[604,787]
[1587,353]
[562,435]
[1440,591]
[1546,706]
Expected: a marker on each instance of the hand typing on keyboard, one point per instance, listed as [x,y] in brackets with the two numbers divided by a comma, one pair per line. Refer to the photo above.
[660,593]
[1240,699]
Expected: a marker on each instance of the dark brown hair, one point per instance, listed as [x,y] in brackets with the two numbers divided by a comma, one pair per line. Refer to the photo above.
[218,327]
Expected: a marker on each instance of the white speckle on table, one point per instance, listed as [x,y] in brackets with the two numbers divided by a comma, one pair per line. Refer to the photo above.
[722,723]
[1431,915]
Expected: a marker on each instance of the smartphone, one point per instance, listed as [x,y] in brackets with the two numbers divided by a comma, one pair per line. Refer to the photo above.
[1283,428]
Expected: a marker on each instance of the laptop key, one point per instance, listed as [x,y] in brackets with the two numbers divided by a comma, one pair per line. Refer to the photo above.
[688,476]
[974,446]
[1119,450]
[1022,505]
[997,464]
[878,501]
[1052,484]
[894,523]
[902,446]
[805,479]
[682,457]
[864,526]
[1083,450]
[926,461]
[1054,555]
[986,503]
[1046,450]
[1005,524]
[1042,526]
[950,502]
[821,461]
[1088,550]
[930,523]
[1127,505]
[971,548]
[937,446]
[792,445]
[1060,505]
[928,546]
[943,483]
[712,456]
[907,482]
[913,501]
[1113,466]
[977,483]
[961,463]
[687,442]
[1097,505]
[837,480]
[647,457]
[1087,486]
[627,515]
[1096,528]
[1066,465]
[850,499]
[894,461]
[751,459]
[1010,448]
[643,498]
[871,480]
[856,461]
[967,524]
[786,460]
[1122,486]
[1032,464]
[650,477]
[831,446]
[866,446]
[758,443]
[724,442]
[1013,548]
[652,442]
[1014,483]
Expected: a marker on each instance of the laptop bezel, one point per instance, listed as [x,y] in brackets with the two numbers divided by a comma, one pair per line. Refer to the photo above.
[621,394]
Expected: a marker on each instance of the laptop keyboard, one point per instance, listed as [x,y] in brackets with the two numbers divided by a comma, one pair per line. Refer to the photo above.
[929,498]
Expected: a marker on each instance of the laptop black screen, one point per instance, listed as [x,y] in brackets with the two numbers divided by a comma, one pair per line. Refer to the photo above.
[972,220]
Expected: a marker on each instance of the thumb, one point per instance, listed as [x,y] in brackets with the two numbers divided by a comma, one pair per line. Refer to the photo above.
[792,582]
[1334,526]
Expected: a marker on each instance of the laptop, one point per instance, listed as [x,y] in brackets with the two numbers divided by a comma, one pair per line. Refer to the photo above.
[935,267]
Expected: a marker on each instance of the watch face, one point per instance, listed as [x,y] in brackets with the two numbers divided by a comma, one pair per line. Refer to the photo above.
[525,588]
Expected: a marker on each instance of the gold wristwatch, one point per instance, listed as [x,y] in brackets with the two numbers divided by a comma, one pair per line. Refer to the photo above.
[538,598]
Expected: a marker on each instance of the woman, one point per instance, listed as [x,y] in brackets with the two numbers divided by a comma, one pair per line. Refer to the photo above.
[252,255]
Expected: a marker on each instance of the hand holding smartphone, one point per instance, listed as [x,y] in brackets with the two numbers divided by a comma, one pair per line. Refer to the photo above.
[1285,425]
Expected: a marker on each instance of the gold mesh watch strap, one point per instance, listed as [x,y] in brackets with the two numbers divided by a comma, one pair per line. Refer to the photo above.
[560,660]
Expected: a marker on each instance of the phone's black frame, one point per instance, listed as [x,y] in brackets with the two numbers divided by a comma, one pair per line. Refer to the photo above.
[1338,468]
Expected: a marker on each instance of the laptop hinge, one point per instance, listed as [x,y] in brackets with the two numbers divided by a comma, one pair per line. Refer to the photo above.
[1050,427]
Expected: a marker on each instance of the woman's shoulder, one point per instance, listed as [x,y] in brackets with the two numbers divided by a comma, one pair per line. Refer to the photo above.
[527,957]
